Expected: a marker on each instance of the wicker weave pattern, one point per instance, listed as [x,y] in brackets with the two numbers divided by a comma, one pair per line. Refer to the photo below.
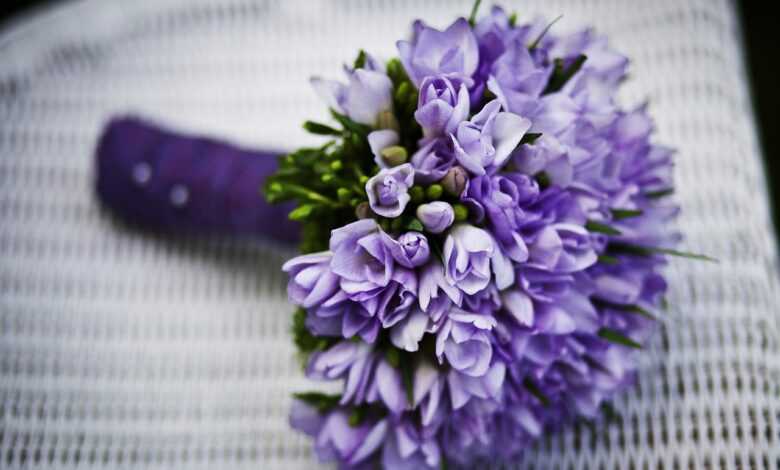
[120,349]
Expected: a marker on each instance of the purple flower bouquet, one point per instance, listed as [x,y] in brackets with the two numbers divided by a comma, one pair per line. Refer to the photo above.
[483,234]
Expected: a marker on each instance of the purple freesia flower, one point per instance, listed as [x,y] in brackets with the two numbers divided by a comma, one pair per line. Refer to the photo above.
[499,200]
[367,95]
[388,190]
[442,105]
[311,280]
[487,140]
[464,341]
[373,289]
[433,159]
[335,438]
[432,52]
[436,216]
[409,250]
[471,257]
[516,79]
[368,378]
[410,447]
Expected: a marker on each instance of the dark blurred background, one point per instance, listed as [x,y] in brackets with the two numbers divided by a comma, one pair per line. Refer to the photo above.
[760,29]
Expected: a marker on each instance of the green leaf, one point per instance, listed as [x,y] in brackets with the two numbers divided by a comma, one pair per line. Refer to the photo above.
[618,338]
[393,356]
[357,415]
[513,19]
[320,129]
[474,10]
[659,194]
[599,227]
[647,251]
[322,402]
[610,260]
[534,390]
[415,225]
[302,337]
[628,308]
[360,60]
[561,74]
[530,138]
[350,125]
[539,38]
[685,254]
[301,212]
[621,214]
[543,180]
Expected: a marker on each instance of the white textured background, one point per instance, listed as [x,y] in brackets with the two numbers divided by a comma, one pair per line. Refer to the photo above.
[123,350]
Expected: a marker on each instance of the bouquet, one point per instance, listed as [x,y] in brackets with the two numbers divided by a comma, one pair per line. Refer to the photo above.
[483,234]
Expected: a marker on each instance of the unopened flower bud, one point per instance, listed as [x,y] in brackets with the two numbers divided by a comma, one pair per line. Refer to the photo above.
[436,216]
[363,210]
[461,212]
[386,120]
[454,181]
[394,155]
[433,192]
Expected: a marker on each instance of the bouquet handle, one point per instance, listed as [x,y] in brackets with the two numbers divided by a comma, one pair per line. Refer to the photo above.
[168,182]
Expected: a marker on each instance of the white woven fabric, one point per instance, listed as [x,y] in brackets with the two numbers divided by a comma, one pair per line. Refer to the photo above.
[123,350]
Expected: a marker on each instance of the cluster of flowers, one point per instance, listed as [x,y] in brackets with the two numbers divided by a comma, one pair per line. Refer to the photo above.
[491,227]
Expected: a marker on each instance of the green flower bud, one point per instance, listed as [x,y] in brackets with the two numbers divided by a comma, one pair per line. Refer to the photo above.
[461,212]
[394,155]
[417,194]
[434,191]
[343,194]
[387,120]
[336,165]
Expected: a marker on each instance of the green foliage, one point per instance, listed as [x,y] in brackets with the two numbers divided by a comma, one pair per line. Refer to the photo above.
[530,138]
[616,337]
[534,390]
[620,214]
[322,402]
[598,227]
[306,342]
[562,73]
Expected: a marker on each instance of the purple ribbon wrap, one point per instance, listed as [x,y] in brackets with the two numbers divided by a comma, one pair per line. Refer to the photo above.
[168,182]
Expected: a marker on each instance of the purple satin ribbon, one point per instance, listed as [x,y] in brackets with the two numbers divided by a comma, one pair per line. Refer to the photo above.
[174,183]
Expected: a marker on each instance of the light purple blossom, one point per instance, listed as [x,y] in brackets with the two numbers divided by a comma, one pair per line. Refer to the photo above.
[433,159]
[410,250]
[432,52]
[465,343]
[443,104]
[436,216]
[311,280]
[487,140]
[471,257]
[388,190]
[367,95]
